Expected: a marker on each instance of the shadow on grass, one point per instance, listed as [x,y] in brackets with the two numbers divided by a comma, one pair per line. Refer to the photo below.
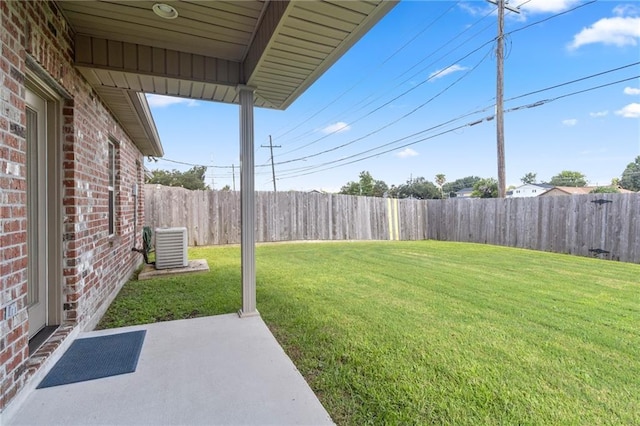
[178,297]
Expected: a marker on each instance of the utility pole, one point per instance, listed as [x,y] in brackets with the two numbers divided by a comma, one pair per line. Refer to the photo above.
[233,173]
[273,170]
[502,185]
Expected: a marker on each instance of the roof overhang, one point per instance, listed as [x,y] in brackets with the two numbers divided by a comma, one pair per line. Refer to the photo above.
[279,48]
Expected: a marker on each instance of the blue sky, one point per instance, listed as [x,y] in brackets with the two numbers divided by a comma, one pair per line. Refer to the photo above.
[428,70]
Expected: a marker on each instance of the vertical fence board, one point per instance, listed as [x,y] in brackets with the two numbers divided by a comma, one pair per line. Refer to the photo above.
[564,224]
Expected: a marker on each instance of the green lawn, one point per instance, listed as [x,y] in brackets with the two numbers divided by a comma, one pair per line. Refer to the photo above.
[432,332]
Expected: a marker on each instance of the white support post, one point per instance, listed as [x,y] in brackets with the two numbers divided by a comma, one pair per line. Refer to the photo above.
[247,204]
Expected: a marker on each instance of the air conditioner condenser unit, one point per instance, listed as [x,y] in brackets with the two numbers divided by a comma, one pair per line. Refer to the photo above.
[171,248]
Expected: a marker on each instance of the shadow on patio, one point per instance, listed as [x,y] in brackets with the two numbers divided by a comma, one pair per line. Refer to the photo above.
[211,370]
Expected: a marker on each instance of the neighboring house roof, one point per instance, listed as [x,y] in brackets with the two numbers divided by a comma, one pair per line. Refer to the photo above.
[464,192]
[580,190]
[529,189]
[544,185]
[278,48]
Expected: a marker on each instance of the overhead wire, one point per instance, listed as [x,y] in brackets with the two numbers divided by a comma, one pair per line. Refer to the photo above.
[351,109]
[368,75]
[468,124]
[379,129]
[431,77]
[402,94]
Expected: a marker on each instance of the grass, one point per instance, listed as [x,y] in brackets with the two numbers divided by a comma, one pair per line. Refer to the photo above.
[432,332]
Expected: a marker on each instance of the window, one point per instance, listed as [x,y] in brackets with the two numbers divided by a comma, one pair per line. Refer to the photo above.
[111,187]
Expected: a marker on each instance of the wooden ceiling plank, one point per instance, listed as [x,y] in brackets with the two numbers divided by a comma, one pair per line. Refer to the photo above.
[311,38]
[185,65]
[277,77]
[184,88]
[197,89]
[197,67]
[144,58]
[289,65]
[119,79]
[96,15]
[114,54]
[304,59]
[173,87]
[317,28]
[286,72]
[146,82]
[337,12]
[172,62]
[209,47]
[280,47]
[160,84]
[99,49]
[303,44]
[159,60]
[133,81]
[364,8]
[130,56]
[105,78]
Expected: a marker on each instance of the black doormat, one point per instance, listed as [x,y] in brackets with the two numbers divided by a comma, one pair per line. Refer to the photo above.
[96,357]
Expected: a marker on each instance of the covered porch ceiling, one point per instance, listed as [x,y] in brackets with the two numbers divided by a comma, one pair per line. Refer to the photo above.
[278,48]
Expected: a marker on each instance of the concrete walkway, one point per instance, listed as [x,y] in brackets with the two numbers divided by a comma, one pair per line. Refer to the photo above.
[202,371]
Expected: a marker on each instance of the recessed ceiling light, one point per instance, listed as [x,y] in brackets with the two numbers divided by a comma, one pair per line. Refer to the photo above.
[165,11]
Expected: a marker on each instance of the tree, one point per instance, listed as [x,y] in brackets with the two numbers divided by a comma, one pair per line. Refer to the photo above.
[418,188]
[367,186]
[604,190]
[191,179]
[440,180]
[631,176]
[226,188]
[528,178]
[569,178]
[485,188]
[458,184]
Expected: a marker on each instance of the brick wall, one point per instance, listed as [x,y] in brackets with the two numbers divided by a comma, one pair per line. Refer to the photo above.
[94,264]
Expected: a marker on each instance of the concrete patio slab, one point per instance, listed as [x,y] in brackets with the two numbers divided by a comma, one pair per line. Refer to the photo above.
[149,271]
[203,371]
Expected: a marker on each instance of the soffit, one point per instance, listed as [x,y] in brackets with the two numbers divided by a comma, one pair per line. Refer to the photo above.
[279,48]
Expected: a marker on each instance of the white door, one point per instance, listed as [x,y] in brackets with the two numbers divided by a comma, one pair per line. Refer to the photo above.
[37,252]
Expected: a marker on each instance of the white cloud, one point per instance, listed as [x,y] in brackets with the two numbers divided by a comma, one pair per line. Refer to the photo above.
[446,71]
[407,152]
[630,111]
[473,9]
[617,31]
[599,114]
[532,7]
[626,10]
[570,122]
[548,6]
[631,91]
[338,127]
[159,101]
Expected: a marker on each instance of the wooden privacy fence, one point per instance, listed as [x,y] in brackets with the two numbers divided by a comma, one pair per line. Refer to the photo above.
[603,225]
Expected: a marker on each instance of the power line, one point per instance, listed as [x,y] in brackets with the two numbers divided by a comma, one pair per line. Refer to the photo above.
[368,75]
[431,77]
[548,18]
[402,83]
[469,124]
[506,34]
[478,111]
[404,93]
